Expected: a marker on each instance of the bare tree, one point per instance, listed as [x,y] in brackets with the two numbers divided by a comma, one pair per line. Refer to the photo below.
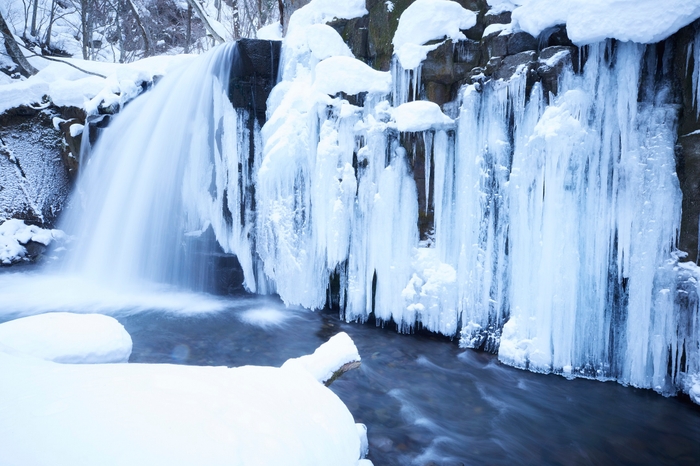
[25,68]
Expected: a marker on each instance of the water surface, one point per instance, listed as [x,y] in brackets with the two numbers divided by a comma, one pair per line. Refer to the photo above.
[425,401]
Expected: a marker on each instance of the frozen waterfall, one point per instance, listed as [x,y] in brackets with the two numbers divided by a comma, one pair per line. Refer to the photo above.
[551,219]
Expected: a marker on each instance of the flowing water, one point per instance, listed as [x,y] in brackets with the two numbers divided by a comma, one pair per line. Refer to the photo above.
[425,401]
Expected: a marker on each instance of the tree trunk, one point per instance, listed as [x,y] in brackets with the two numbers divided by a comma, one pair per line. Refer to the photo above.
[33,30]
[47,41]
[148,47]
[188,35]
[84,5]
[25,68]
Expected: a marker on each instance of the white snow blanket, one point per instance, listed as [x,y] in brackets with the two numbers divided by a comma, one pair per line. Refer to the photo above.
[148,414]
[68,338]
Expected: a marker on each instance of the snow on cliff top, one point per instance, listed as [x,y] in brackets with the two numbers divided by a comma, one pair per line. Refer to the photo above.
[68,86]
[589,21]
[426,20]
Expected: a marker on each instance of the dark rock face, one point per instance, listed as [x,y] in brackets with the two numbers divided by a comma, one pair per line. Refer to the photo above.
[254,74]
[36,162]
[688,146]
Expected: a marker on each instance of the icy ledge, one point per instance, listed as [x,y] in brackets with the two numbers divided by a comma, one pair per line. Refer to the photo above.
[115,414]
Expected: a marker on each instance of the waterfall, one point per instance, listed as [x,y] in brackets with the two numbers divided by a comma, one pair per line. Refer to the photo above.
[171,166]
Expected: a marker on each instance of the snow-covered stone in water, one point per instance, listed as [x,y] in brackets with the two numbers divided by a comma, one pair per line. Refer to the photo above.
[590,21]
[116,414]
[420,115]
[68,338]
[426,20]
[327,359]
[325,42]
[349,75]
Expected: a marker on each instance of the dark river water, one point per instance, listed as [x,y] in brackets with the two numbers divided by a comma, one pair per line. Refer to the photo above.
[425,401]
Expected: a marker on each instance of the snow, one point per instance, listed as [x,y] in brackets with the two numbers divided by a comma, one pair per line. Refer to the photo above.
[14,235]
[501,6]
[420,115]
[67,86]
[324,42]
[497,28]
[327,359]
[426,20]
[590,21]
[350,75]
[114,414]
[270,32]
[68,338]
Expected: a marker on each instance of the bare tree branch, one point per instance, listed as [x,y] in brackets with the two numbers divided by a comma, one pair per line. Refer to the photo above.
[205,20]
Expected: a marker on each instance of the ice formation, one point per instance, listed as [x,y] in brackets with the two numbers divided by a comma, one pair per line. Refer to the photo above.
[554,216]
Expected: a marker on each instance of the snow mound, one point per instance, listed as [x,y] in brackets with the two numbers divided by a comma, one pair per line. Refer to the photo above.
[14,234]
[325,42]
[590,21]
[115,414]
[350,75]
[426,20]
[327,359]
[420,115]
[68,338]
[270,32]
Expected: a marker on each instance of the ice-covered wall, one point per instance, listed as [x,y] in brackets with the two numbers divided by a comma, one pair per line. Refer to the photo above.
[554,216]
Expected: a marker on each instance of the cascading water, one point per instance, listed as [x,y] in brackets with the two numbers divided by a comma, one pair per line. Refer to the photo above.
[166,171]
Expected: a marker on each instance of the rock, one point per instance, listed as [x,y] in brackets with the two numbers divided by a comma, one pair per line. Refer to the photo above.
[468,54]
[552,61]
[514,63]
[520,42]
[501,18]
[254,74]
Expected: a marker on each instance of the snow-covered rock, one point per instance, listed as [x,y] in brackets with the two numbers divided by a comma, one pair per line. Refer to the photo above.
[14,235]
[590,21]
[116,414]
[426,20]
[68,338]
[420,115]
[327,359]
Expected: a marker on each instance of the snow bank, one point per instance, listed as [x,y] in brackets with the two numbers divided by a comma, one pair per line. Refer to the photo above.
[420,115]
[327,359]
[116,414]
[426,20]
[589,21]
[14,234]
[68,338]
